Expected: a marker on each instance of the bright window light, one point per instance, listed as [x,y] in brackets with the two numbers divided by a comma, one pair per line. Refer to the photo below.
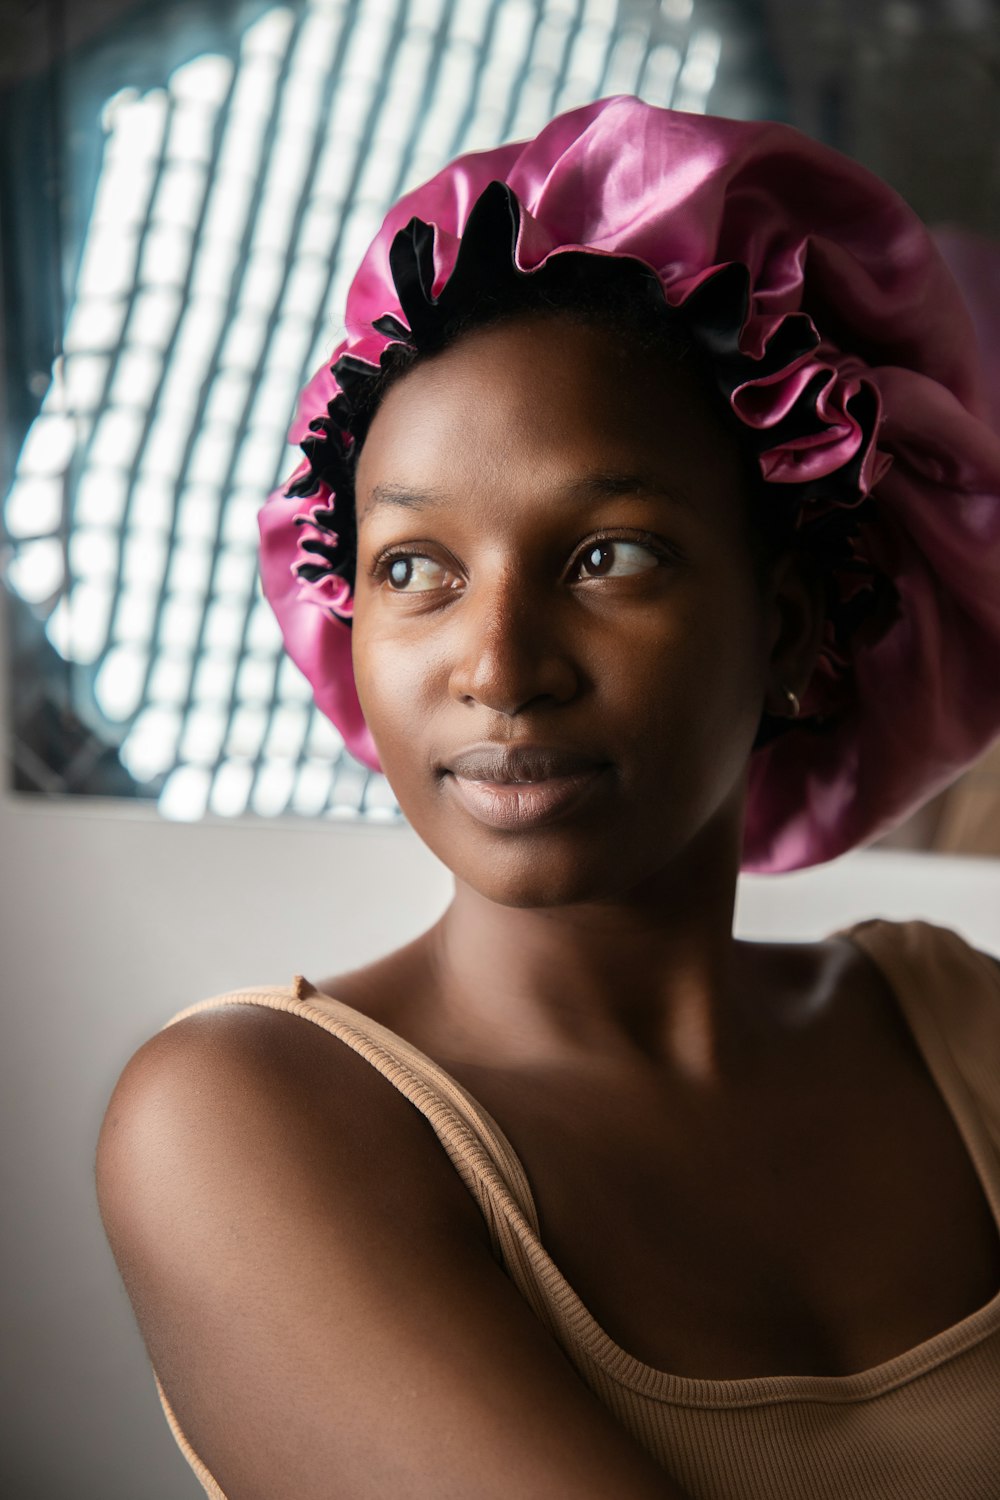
[137,375]
[154,317]
[93,552]
[180,195]
[184,797]
[291,683]
[170,679]
[48,447]
[117,437]
[255,683]
[205,80]
[236,574]
[224,626]
[228,397]
[269,36]
[197,514]
[101,497]
[152,504]
[240,197]
[273,788]
[108,266]
[37,571]
[163,450]
[135,615]
[312,788]
[78,626]
[204,732]
[701,64]
[324,742]
[137,127]
[261,281]
[231,788]
[626,63]
[95,323]
[165,256]
[239,519]
[678,11]
[180,623]
[144,557]
[288,730]
[348,789]
[660,77]
[263,635]
[244,340]
[247,729]
[213,680]
[426,13]
[33,507]
[190,570]
[120,680]
[150,747]
[211,455]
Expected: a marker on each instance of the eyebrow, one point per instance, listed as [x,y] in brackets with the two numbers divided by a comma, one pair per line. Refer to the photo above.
[398,494]
[600,485]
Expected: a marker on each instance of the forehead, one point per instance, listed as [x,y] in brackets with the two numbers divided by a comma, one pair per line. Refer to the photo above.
[545,399]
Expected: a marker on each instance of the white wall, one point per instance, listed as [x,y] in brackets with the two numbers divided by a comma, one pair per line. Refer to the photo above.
[112,920]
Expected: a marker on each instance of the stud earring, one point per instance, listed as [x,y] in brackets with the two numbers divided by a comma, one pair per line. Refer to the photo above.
[793,700]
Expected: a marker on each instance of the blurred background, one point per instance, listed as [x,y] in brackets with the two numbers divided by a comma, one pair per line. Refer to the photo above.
[185,190]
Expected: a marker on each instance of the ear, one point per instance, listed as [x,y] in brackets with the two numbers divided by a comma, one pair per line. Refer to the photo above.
[796,601]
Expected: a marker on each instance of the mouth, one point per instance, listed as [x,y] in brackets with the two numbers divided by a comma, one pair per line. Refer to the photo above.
[518,787]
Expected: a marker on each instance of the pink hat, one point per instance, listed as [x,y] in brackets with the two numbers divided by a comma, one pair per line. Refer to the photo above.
[844,349]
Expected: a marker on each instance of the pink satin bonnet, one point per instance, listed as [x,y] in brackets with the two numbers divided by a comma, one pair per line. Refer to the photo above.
[914,697]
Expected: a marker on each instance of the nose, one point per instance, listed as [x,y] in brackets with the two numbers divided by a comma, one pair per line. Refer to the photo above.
[508,651]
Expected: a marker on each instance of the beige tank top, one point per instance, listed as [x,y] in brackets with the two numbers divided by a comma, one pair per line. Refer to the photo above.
[922,1426]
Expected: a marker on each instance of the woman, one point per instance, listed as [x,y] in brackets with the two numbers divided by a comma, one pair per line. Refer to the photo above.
[653,476]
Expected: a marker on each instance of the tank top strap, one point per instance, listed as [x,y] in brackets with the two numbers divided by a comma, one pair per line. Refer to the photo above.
[950,992]
[482,1155]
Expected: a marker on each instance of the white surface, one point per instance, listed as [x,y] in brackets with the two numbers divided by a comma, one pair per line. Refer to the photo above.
[112,920]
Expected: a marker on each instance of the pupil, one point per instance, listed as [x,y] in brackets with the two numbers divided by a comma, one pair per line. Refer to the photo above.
[599,559]
[400,572]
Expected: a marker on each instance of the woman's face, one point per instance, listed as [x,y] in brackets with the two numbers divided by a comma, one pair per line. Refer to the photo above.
[559,644]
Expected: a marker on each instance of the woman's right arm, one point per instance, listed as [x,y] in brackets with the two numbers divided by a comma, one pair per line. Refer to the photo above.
[316,1289]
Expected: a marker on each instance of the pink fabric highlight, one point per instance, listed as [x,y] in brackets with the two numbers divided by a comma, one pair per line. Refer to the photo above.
[821,237]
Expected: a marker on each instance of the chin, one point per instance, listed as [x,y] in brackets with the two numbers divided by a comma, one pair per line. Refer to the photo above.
[527,875]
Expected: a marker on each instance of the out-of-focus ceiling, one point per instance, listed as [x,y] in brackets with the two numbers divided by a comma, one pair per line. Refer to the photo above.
[911,88]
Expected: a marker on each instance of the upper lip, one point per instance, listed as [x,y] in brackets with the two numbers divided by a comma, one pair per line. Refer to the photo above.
[513,763]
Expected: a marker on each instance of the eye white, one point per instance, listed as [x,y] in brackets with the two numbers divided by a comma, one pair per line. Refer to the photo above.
[617,559]
[411,574]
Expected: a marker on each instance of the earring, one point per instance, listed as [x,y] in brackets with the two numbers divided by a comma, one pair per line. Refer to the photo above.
[793,700]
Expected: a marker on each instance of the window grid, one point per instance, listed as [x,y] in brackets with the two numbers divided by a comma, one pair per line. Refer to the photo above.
[233,204]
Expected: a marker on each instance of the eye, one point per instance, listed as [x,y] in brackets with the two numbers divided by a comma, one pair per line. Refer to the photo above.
[615,559]
[412,574]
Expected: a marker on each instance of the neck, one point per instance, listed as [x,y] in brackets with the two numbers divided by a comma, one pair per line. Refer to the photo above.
[654,973]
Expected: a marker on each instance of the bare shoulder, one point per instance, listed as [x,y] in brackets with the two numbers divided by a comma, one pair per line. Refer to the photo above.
[203,1090]
[315,1286]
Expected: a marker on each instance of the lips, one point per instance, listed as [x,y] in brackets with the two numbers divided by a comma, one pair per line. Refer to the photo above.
[508,786]
[517,763]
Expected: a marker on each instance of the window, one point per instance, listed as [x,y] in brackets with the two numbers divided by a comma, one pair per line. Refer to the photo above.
[218,171]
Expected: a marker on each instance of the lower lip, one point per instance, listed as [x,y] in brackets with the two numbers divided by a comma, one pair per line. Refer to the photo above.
[525,804]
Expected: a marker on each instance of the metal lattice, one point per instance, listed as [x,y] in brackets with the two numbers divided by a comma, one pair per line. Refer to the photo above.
[233,202]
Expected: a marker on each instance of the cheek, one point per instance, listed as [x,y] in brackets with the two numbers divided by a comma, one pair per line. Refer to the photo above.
[690,681]
[398,683]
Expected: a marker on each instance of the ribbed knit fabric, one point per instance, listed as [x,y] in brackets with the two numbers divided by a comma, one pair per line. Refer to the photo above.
[922,1426]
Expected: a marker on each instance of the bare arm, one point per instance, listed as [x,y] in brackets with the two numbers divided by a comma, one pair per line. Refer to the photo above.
[316,1289]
